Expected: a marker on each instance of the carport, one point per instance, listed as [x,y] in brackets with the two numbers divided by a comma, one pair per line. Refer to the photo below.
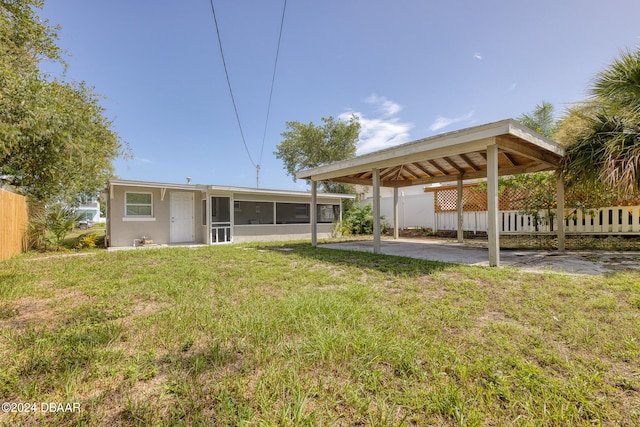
[487,151]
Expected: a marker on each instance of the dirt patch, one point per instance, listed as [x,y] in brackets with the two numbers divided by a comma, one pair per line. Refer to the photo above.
[64,255]
[37,311]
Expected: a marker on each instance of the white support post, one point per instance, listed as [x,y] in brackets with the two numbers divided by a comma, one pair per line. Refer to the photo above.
[376,211]
[560,212]
[208,219]
[396,231]
[460,207]
[492,205]
[312,214]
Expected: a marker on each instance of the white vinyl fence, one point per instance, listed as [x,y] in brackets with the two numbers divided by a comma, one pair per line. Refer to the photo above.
[418,210]
[610,220]
[414,210]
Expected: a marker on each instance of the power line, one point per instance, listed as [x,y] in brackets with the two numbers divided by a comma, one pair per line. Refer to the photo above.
[226,72]
[273,79]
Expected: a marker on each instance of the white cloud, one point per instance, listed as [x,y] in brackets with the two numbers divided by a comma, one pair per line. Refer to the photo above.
[380,131]
[478,56]
[442,122]
[142,160]
[384,106]
[513,86]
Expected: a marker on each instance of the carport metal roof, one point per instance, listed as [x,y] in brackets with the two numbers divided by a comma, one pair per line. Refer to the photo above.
[446,157]
[486,151]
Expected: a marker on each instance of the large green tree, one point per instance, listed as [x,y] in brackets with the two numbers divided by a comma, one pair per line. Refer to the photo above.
[307,146]
[55,142]
[602,135]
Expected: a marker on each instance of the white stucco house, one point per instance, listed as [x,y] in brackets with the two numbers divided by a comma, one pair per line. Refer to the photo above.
[140,212]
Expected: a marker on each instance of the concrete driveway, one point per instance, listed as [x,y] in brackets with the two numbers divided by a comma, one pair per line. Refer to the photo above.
[569,262]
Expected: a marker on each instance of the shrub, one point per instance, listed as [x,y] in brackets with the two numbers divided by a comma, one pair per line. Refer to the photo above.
[358,220]
[87,241]
[51,226]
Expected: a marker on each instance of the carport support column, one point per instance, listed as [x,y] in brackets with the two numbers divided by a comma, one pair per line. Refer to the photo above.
[560,211]
[376,211]
[492,205]
[396,232]
[460,206]
[312,214]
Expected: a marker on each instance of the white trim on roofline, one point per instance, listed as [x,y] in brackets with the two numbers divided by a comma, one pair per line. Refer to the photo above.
[205,188]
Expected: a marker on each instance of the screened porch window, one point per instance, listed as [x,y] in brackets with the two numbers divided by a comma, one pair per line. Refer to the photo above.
[138,205]
[328,213]
[249,212]
[292,213]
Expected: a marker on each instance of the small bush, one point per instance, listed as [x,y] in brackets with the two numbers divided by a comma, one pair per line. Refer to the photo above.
[358,220]
[51,226]
[87,241]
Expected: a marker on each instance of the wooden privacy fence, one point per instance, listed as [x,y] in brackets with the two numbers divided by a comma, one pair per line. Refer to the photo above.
[14,219]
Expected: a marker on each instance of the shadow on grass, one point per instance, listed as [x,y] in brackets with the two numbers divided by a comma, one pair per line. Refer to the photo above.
[390,264]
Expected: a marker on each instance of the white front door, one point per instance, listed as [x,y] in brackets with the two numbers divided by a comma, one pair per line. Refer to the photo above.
[182,224]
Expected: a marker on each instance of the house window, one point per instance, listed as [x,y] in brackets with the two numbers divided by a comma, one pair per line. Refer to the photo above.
[138,205]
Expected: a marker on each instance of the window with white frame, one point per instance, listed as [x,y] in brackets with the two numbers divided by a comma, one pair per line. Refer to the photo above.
[138,205]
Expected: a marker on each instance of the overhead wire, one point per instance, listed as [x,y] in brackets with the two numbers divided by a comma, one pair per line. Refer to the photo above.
[226,72]
[273,79]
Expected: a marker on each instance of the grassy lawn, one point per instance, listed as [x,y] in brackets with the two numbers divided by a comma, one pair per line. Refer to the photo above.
[270,335]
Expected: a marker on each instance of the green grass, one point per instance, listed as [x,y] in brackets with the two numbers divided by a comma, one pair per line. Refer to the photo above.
[288,335]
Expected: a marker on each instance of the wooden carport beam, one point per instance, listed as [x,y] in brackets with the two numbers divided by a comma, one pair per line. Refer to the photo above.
[534,167]
[390,172]
[351,180]
[533,154]
[407,170]
[405,154]
[509,158]
[437,166]
[454,165]
[423,169]
[468,161]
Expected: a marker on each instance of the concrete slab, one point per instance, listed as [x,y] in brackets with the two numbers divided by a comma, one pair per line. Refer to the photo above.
[569,262]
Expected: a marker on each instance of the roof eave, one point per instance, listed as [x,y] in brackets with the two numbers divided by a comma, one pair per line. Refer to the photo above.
[451,143]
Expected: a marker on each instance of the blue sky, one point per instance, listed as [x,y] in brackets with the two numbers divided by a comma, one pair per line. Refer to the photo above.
[408,68]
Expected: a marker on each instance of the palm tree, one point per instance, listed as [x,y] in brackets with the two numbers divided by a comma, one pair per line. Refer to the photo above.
[541,120]
[604,142]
